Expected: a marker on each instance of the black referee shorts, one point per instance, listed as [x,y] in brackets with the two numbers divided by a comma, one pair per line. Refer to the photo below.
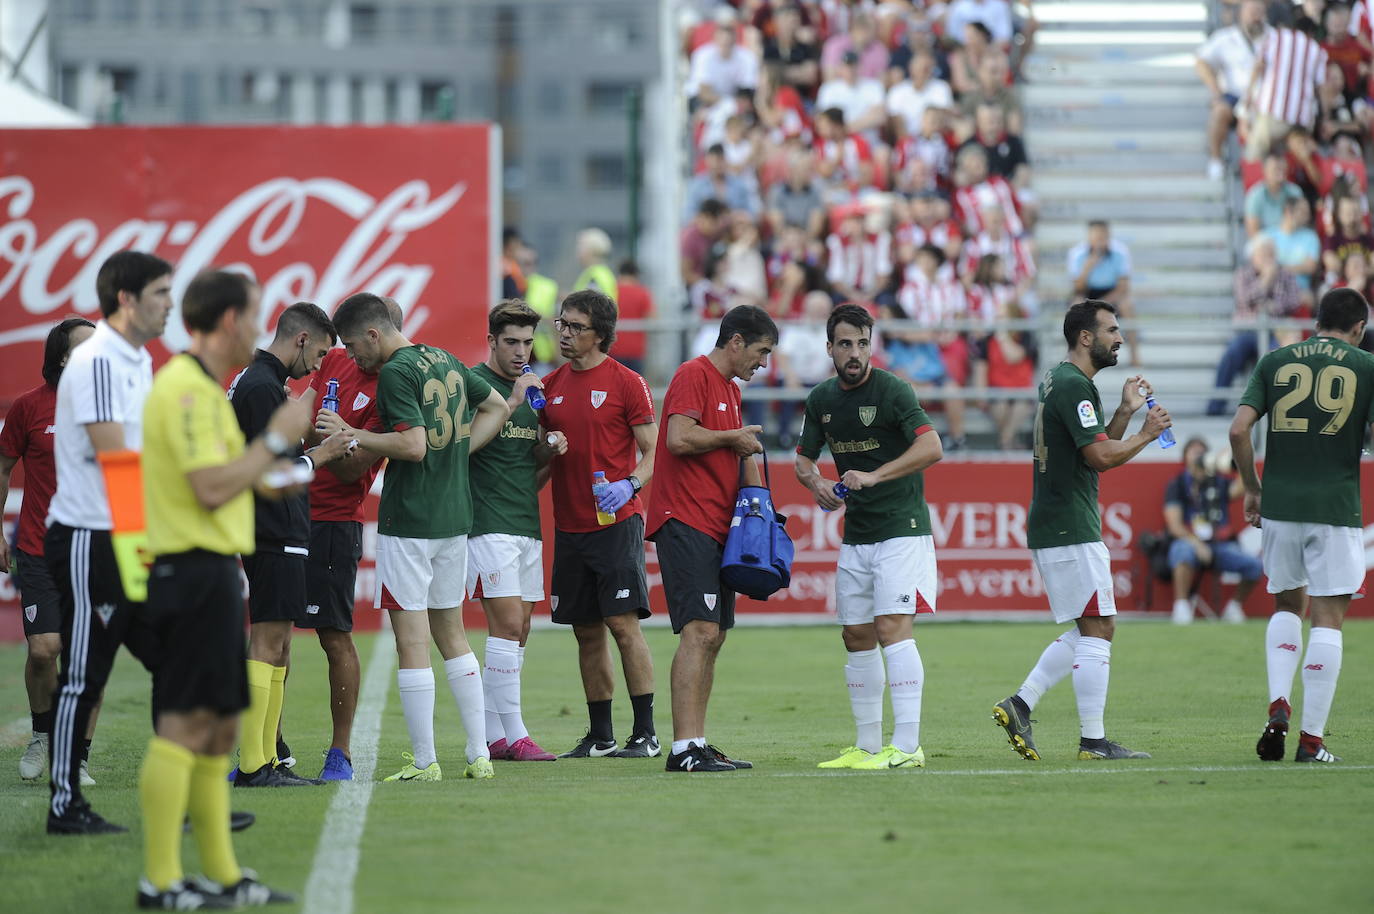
[195,599]
[37,594]
[331,573]
[689,563]
[599,574]
[276,585]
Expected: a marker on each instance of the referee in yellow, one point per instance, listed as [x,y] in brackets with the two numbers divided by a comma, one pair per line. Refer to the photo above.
[198,509]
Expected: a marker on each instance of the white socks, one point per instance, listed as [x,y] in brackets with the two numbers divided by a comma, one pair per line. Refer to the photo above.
[1282,648]
[417,701]
[466,686]
[905,678]
[1092,664]
[501,685]
[1183,612]
[1320,670]
[1054,664]
[865,677]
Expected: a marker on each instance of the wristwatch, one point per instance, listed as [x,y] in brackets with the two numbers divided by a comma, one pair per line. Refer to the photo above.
[276,443]
[635,483]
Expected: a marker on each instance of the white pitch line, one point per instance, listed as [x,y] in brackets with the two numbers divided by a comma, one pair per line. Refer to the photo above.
[16,733]
[330,889]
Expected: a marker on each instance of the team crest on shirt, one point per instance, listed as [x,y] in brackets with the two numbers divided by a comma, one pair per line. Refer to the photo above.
[493,578]
[710,599]
[598,397]
[553,602]
[1087,416]
[104,611]
[825,418]
[31,612]
[360,401]
[867,414]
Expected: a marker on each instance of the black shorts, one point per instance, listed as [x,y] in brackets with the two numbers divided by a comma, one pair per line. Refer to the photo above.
[599,574]
[37,594]
[689,563]
[196,602]
[1101,294]
[331,572]
[276,585]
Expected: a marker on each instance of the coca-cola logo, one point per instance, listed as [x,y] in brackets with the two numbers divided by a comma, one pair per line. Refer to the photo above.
[255,227]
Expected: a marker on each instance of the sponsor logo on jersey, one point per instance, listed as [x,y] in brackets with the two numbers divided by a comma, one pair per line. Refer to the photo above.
[558,399]
[360,401]
[313,609]
[710,599]
[1087,415]
[720,407]
[623,594]
[598,397]
[50,430]
[854,447]
[867,414]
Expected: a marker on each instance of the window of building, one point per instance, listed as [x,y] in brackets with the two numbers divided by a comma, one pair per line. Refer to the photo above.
[67,81]
[391,106]
[190,14]
[444,22]
[260,20]
[321,99]
[164,13]
[549,171]
[482,100]
[80,10]
[159,93]
[355,100]
[438,100]
[605,170]
[607,97]
[363,23]
[123,82]
[190,108]
[225,14]
[551,98]
[407,20]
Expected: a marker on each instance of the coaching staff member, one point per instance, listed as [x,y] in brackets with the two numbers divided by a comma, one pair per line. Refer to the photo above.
[199,515]
[99,408]
[276,569]
[605,411]
[336,544]
[697,461]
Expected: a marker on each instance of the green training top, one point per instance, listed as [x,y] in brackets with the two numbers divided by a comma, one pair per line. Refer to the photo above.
[865,427]
[501,476]
[1063,508]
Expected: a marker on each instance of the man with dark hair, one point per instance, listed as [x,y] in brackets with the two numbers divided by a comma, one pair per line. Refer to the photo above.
[607,413]
[1100,268]
[881,440]
[1320,394]
[1064,529]
[28,436]
[99,408]
[697,467]
[436,412]
[336,543]
[505,548]
[276,569]
[197,474]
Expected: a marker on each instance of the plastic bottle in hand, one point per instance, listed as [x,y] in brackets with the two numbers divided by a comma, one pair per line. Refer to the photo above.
[533,395]
[841,492]
[599,487]
[330,400]
[1166,437]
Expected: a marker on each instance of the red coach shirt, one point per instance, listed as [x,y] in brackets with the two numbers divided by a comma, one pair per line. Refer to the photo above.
[596,409]
[28,435]
[330,497]
[699,490]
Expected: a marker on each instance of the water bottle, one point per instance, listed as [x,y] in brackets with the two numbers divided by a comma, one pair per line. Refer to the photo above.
[533,395]
[330,401]
[1166,437]
[841,492]
[599,486]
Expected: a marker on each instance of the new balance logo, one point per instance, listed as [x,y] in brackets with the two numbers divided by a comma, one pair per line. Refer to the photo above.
[313,609]
[1313,666]
[1288,647]
[904,598]
[50,430]
[720,407]
[622,594]
[689,762]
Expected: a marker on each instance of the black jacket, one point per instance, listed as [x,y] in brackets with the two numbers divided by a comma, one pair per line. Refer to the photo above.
[255,394]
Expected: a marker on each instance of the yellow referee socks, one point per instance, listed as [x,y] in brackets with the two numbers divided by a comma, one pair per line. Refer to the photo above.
[209,808]
[251,755]
[162,788]
[276,699]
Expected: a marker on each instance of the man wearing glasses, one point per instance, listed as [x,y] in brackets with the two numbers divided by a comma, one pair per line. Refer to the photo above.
[606,412]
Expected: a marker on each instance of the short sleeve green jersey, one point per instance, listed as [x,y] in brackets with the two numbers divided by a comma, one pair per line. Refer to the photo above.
[1319,396]
[1063,508]
[501,476]
[865,427]
[426,387]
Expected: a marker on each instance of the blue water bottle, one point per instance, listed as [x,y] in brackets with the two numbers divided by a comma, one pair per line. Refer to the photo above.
[533,395]
[330,401]
[841,492]
[1166,437]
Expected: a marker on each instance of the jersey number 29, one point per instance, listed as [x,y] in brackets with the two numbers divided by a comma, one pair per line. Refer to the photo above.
[1335,394]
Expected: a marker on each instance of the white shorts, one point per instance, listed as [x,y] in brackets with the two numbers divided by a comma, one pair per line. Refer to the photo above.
[894,577]
[1327,560]
[420,574]
[503,565]
[1078,580]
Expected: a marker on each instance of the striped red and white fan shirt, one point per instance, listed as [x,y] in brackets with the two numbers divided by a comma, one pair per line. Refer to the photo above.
[1294,65]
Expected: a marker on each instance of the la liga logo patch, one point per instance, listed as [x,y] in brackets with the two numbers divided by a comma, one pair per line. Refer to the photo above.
[1087,415]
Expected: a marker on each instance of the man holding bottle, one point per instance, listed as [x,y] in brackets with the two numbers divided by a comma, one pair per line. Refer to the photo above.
[606,412]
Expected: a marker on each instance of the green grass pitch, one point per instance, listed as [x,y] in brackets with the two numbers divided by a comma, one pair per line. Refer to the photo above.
[1204,826]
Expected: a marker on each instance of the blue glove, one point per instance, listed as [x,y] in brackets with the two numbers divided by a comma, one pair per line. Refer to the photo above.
[616,496]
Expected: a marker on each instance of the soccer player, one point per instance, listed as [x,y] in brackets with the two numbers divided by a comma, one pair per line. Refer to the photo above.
[336,544]
[1319,395]
[606,412]
[1064,530]
[197,474]
[698,460]
[276,568]
[881,440]
[28,436]
[505,552]
[435,411]
[99,408]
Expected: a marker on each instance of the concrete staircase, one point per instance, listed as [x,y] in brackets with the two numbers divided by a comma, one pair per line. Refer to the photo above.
[1116,129]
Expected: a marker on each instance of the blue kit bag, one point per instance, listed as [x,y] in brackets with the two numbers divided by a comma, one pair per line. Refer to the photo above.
[758,552]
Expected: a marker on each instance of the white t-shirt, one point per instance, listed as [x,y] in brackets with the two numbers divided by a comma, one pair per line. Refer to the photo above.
[1231,55]
[723,74]
[803,345]
[994,14]
[904,100]
[854,100]
[106,380]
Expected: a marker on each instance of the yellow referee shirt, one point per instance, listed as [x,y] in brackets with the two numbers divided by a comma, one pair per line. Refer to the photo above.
[188,424]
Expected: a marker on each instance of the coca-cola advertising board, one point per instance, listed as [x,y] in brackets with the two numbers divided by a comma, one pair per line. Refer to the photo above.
[313,213]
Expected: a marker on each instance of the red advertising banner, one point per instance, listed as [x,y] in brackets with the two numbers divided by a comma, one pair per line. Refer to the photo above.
[313,213]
